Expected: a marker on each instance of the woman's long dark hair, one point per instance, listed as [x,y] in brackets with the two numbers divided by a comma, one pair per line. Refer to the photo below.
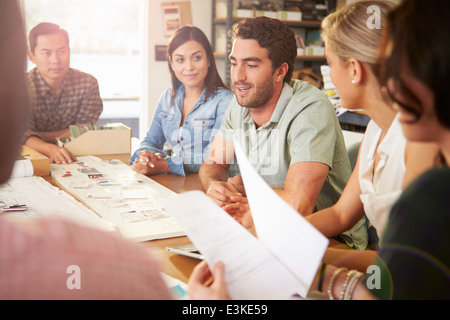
[212,81]
[418,38]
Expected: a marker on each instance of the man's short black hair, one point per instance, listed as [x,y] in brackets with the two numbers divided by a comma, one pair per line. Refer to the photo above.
[43,29]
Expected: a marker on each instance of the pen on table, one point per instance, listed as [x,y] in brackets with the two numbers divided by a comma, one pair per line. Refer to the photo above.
[15,207]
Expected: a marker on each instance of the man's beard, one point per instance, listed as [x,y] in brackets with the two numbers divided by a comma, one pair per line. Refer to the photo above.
[259,95]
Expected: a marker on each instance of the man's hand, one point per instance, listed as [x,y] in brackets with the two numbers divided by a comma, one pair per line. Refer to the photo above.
[60,155]
[221,192]
[237,182]
[240,211]
[150,163]
[55,153]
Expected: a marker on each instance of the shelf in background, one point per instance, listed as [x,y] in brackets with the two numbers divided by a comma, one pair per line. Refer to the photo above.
[222,55]
[302,24]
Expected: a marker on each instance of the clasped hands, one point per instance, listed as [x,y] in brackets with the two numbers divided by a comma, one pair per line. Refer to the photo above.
[231,197]
[149,163]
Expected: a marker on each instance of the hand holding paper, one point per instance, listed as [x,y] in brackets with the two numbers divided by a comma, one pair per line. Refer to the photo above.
[251,271]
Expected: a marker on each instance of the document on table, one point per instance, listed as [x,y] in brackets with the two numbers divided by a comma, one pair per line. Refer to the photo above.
[282,262]
[129,200]
[44,200]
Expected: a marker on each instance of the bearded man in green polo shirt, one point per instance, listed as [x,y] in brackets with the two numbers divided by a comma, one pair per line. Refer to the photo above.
[287,128]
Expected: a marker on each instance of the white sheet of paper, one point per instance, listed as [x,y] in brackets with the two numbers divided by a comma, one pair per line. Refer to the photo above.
[295,242]
[251,271]
[22,168]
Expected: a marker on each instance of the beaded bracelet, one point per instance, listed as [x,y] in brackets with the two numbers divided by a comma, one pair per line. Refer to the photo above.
[331,284]
[346,282]
[351,286]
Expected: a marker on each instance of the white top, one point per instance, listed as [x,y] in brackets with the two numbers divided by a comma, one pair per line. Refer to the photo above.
[381,190]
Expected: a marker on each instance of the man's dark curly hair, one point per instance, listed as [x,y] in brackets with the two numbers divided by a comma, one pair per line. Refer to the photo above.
[273,35]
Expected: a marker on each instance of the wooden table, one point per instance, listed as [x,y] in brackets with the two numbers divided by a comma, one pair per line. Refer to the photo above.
[177,266]
[174,265]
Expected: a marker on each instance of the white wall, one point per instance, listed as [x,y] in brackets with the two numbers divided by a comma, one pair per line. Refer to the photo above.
[157,78]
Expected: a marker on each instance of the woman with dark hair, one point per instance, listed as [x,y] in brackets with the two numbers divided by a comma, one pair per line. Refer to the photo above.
[188,114]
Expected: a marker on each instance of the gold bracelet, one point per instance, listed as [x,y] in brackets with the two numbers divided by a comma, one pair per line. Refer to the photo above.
[331,284]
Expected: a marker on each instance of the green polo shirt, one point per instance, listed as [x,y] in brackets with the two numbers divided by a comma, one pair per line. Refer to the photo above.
[303,127]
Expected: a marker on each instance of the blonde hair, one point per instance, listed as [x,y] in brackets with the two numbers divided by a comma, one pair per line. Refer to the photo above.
[347,34]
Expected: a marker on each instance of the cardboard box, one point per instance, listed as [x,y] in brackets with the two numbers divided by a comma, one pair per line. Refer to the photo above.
[99,142]
[307,74]
[41,164]
[289,15]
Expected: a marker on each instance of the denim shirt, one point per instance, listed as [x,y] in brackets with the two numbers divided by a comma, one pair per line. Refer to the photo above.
[190,142]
